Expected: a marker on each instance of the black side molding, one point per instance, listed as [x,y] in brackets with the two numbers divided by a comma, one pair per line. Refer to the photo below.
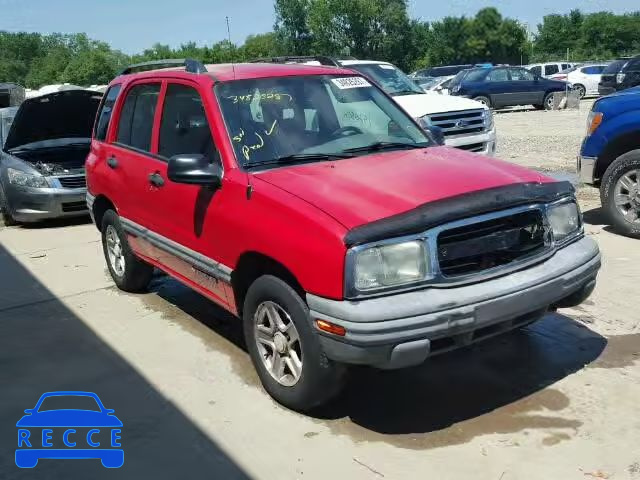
[455,208]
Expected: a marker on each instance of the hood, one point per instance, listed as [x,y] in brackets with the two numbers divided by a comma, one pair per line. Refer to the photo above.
[363,189]
[67,114]
[432,102]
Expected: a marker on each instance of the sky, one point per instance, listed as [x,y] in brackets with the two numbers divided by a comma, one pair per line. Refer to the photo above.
[132,25]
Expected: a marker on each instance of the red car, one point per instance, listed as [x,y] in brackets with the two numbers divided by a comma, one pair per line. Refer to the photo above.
[306,202]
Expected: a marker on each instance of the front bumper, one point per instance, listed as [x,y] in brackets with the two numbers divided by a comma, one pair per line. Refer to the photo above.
[586,169]
[483,143]
[401,330]
[34,204]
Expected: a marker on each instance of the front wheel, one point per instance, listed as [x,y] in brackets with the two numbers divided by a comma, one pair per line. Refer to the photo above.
[484,100]
[620,193]
[128,272]
[284,348]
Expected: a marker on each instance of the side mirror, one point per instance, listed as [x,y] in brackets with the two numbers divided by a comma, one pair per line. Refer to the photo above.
[194,169]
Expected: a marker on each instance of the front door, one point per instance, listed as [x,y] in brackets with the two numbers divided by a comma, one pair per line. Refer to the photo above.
[499,87]
[183,218]
[526,91]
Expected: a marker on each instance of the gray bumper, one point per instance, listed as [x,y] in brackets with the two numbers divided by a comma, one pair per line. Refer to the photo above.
[34,204]
[404,329]
[586,169]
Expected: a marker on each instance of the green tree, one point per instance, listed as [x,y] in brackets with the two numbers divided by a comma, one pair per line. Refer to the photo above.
[262,45]
[292,25]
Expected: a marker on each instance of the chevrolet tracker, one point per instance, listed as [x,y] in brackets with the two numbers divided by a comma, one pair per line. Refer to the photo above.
[305,201]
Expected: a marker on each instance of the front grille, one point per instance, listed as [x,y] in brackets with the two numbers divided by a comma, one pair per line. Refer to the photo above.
[473,248]
[76,181]
[459,123]
[473,147]
[74,207]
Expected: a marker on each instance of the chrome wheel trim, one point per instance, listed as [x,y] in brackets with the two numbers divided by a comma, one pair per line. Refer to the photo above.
[627,196]
[114,251]
[582,91]
[278,343]
[550,102]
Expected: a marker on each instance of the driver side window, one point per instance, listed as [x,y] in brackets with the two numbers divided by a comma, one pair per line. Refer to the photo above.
[184,128]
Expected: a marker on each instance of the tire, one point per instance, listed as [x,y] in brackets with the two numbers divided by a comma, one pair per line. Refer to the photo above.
[547,103]
[484,100]
[582,91]
[319,379]
[132,274]
[612,191]
[5,216]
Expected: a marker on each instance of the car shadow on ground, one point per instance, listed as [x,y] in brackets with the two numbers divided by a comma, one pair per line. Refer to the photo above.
[57,223]
[445,390]
[44,347]
[598,217]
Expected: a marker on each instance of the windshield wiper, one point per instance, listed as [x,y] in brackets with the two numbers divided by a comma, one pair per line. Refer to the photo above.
[385,146]
[299,157]
[400,93]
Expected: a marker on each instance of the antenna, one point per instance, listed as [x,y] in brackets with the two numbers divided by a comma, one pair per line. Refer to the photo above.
[233,66]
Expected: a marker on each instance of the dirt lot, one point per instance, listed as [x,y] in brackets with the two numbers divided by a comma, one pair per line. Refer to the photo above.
[558,400]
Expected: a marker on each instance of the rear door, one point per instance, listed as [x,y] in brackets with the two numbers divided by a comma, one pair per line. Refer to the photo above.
[131,155]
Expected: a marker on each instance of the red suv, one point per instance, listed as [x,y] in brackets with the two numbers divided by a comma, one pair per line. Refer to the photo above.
[306,202]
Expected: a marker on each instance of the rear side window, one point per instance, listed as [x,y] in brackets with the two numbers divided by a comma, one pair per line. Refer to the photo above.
[184,128]
[593,70]
[104,113]
[615,67]
[500,75]
[136,118]
[551,69]
[565,66]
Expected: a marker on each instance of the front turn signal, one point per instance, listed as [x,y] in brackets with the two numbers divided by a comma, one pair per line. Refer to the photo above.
[331,328]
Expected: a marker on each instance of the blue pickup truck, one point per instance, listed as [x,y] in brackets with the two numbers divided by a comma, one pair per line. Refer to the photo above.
[610,158]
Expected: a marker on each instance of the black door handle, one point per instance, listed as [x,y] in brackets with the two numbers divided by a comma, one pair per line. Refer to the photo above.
[112,162]
[156,180]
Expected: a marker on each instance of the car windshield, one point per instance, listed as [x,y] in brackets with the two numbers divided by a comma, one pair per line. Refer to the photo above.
[392,80]
[69,402]
[312,118]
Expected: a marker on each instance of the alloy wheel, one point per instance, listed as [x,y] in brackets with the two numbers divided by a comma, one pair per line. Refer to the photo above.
[114,251]
[278,343]
[627,196]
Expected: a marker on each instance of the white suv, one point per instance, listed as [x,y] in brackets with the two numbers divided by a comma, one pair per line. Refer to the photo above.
[466,124]
[547,69]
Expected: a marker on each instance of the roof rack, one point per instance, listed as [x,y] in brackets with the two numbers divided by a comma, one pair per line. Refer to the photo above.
[190,65]
[322,59]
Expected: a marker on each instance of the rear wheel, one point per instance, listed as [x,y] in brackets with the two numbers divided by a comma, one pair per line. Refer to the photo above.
[128,272]
[548,101]
[620,193]
[285,349]
[483,100]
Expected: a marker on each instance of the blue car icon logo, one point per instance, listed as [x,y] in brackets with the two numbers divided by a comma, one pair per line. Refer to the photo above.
[69,425]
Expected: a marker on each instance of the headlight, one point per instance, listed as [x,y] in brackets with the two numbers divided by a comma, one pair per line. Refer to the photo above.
[487,116]
[17,177]
[565,220]
[389,265]
[593,122]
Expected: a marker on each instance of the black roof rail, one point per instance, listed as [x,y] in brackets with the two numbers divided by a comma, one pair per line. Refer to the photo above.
[190,65]
[322,59]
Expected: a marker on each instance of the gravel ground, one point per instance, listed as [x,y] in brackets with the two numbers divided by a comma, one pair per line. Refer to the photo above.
[547,141]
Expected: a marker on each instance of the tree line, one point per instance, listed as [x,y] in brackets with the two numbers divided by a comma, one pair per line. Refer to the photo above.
[368,29]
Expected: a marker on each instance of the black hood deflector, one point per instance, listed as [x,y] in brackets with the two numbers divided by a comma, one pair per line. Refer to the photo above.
[66,114]
[455,208]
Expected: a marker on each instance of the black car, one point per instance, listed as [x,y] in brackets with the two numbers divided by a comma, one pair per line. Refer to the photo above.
[499,87]
[620,75]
